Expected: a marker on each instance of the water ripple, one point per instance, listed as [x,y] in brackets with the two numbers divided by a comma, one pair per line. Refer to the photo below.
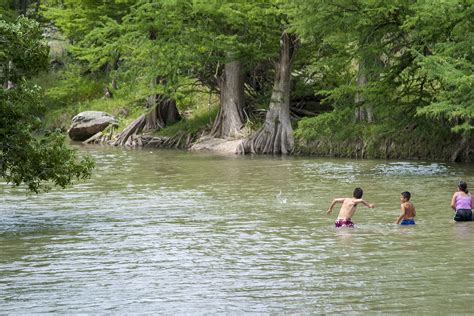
[180,233]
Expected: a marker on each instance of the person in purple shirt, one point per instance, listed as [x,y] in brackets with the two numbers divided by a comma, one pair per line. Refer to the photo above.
[461,203]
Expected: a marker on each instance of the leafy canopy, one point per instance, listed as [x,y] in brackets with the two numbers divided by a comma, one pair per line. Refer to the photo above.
[38,162]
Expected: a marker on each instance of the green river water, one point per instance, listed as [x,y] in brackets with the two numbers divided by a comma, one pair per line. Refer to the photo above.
[196,233]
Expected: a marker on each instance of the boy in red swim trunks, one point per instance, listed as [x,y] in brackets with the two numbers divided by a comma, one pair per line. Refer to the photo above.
[348,208]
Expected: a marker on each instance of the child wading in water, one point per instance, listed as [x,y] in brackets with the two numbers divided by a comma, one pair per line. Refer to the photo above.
[407,210]
[348,208]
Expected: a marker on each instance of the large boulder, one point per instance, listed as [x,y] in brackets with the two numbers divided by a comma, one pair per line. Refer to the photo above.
[87,124]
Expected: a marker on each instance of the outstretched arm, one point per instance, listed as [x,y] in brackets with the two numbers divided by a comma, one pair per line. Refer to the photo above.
[369,205]
[341,200]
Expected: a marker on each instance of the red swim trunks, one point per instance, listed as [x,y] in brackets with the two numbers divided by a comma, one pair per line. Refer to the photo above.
[344,222]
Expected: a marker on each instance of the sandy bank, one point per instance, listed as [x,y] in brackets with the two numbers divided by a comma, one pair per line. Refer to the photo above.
[208,143]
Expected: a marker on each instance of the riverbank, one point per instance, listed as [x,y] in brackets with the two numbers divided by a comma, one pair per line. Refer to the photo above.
[412,149]
[327,134]
[207,143]
[384,148]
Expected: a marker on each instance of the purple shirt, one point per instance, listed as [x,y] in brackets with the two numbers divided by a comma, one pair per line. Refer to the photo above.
[463,201]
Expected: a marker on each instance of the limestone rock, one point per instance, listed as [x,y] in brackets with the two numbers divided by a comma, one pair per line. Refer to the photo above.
[87,124]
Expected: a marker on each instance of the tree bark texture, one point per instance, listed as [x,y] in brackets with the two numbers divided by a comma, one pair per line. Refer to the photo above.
[367,72]
[363,111]
[164,113]
[462,149]
[276,136]
[230,120]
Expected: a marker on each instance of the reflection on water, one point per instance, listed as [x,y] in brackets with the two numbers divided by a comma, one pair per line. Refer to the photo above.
[176,232]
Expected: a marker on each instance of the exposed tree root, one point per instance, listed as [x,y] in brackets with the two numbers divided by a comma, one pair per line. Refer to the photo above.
[103,137]
[181,140]
[164,113]
[276,136]
[128,135]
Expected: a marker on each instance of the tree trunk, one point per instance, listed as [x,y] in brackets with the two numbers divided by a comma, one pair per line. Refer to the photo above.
[363,112]
[230,120]
[276,136]
[462,149]
[164,113]
[23,6]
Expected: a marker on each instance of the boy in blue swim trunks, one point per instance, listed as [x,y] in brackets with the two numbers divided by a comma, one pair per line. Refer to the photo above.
[407,210]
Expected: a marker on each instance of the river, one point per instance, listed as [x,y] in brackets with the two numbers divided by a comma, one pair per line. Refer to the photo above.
[196,233]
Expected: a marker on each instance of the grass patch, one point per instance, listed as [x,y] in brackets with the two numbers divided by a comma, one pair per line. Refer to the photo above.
[69,91]
[199,119]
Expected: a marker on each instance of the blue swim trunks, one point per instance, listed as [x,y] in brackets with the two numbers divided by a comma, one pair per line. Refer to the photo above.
[408,222]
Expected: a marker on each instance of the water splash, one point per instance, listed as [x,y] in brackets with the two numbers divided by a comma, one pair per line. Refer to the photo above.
[281,198]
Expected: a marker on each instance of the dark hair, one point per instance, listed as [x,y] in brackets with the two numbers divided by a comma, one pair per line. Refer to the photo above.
[463,186]
[357,193]
[406,195]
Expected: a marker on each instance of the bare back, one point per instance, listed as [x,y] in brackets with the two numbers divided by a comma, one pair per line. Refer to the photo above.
[348,208]
[409,210]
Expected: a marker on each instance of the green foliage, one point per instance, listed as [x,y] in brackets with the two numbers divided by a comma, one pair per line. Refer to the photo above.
[38,162]
[448,32]
[93,28]
[417,58]
[7,13]
[185,44]
[410,62]
[34,161]
[325,125]
[201,119]
[23,52]
[64,92]
[71,87]
[194,39]
[354,38]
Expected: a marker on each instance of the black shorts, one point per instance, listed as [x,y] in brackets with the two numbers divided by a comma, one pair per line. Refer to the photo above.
[463,215]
